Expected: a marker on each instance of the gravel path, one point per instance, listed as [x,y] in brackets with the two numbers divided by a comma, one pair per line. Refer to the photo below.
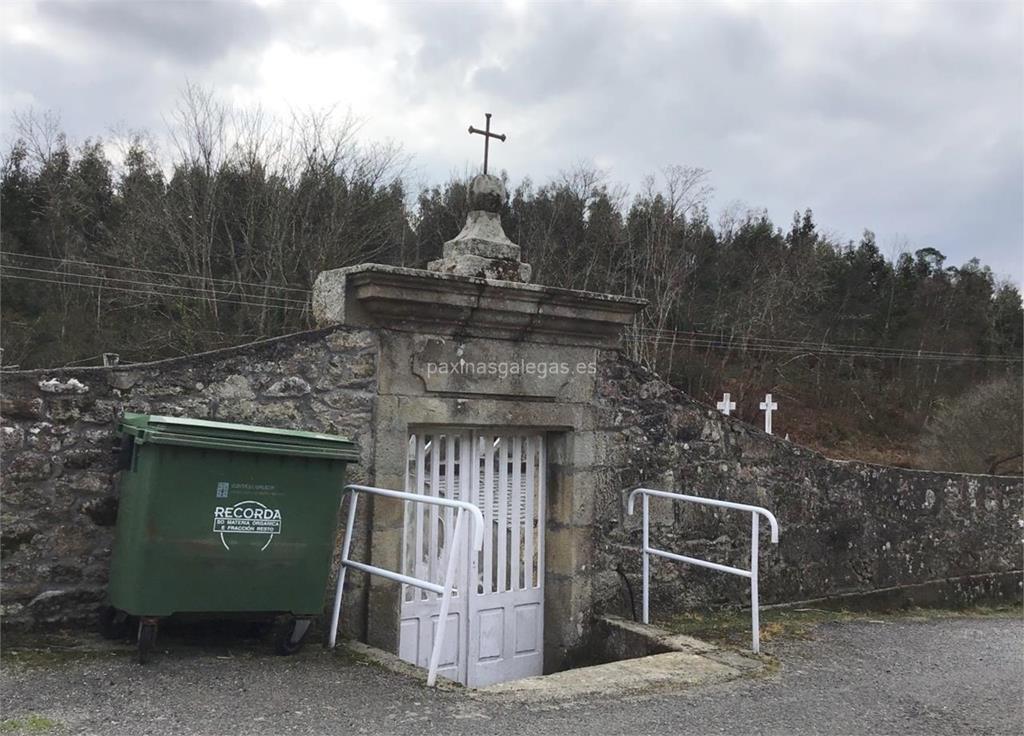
[940,676]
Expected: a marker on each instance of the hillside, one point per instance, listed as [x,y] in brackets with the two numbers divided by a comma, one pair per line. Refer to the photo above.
[217,243]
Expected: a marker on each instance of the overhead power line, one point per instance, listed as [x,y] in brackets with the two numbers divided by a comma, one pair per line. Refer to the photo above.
[210,293]
[152,290]
[819,350]
[691,338]
[721,337]
[789,350]
[810,344]
[815,349]
[93,264]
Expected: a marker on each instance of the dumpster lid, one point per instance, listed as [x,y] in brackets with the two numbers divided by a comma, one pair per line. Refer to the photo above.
[203,433]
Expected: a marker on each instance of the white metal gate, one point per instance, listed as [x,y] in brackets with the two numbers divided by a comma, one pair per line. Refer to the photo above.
[496,632]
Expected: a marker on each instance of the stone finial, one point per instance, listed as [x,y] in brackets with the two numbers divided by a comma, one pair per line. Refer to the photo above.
[482,249]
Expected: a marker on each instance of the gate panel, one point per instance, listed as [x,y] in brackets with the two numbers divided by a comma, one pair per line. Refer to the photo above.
[506,620]
[434,464]
[496,620]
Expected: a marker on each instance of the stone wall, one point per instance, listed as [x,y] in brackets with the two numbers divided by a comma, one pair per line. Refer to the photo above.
[58,431]
[846,527]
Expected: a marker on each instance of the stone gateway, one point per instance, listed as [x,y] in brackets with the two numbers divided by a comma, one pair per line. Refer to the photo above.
[466,381]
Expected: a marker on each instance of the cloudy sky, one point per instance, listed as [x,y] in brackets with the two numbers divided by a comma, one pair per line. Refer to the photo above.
[905,118]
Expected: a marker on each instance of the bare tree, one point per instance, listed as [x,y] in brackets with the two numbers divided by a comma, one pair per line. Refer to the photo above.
[661,261]
[979,432]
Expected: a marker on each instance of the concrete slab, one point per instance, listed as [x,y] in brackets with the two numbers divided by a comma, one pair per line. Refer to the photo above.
[645,667]
[656,673]
[649,660]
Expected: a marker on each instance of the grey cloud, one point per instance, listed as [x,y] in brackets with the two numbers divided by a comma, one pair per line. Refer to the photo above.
[191,33]
[700,71]
[452,34]
[89,98]
[874,136]
[907,123]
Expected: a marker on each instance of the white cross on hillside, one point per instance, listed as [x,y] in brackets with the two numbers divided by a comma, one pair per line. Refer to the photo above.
[725,406]
[768,406]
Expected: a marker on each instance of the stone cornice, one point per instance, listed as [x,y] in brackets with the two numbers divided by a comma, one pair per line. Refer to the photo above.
[429,302]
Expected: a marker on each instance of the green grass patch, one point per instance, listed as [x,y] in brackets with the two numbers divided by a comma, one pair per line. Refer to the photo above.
[31,723]
[342,653]
[352,656]
[53,656]
[732,626]
[54,648]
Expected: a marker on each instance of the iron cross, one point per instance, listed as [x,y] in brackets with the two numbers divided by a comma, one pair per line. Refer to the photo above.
[487,134]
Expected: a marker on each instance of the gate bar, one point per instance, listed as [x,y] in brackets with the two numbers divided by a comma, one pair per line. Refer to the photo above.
[445,591]
[755,511]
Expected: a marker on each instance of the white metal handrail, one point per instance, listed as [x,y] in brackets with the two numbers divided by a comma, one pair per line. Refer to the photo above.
[445,591]
[755,512]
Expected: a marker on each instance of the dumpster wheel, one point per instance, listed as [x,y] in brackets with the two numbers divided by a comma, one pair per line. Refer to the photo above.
[147,639]
[290,634]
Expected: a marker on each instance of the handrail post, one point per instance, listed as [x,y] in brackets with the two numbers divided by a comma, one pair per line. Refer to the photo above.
[752,573]
[454,560]
[755,612]
[647,561]
[342,567]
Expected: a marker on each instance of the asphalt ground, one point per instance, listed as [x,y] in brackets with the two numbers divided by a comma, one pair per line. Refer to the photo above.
[944,675]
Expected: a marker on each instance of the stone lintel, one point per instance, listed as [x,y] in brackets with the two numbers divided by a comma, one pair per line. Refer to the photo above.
[415,300]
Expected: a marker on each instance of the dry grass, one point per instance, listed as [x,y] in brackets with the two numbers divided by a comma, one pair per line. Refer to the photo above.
[732,626]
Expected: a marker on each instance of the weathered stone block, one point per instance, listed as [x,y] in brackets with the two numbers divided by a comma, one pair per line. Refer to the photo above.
[98,437]
[68,409]
[345,402]
[22,408]
[11,437]
[346,340]
[63,386]
[102,412]
[362,366]
[84,457]
[165,390]
[137,404]
[123,379]
[232,388]
[287,387]
[85,483]
[75,604]
[14,535]
[569,550]
[284,413]
[61,574]
[42,437]
[196,408]
[26,497]
[28,466]
[241,411]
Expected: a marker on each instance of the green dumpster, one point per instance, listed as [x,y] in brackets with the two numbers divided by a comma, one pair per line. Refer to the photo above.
[219,518]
